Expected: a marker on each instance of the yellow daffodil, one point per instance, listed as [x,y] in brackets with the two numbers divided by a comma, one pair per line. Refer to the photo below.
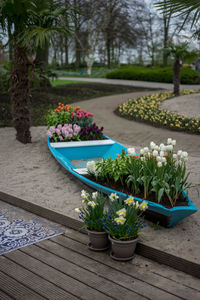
[120,220]
[121,212]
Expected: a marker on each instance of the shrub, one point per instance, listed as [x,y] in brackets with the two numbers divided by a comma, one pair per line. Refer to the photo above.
[188,76]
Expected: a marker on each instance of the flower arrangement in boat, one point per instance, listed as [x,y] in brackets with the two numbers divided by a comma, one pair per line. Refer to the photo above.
[157,174]
[65,121]
[124,220]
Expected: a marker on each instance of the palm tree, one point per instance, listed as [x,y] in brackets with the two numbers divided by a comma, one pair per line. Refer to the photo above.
[182,8]
[180,53]
[29,31]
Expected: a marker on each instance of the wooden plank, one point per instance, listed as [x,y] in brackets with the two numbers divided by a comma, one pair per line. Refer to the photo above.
[70,276]
[170,260]
[108,272]
[41,211]
[74,280]
[4,296]
[17,290]
[82,144]
[162,257]
[158,269]
[30,280]
[130,269]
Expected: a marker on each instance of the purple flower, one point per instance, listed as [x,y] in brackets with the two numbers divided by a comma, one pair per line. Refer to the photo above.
[61,138]
[52,129]
[49,134]
[59,127]
[58,132]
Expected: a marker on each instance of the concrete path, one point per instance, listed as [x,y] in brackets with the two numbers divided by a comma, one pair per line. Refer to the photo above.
[148,84]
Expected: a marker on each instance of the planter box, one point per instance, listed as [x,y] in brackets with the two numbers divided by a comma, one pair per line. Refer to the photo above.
[74,156]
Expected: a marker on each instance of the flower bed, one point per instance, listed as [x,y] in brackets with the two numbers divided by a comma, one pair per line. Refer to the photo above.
[158,174]
[66,124]
[146,109]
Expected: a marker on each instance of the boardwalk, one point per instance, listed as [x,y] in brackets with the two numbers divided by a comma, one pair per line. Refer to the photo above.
[63,268]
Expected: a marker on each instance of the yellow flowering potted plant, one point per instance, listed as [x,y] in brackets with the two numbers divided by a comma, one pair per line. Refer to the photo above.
[91,213]
[123,223]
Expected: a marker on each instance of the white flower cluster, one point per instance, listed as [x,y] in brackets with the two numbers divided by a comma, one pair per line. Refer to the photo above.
[113,197]
[181,156]
[91,167]
[131,152]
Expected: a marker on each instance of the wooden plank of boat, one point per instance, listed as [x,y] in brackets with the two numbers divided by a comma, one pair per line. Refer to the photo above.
[82,143]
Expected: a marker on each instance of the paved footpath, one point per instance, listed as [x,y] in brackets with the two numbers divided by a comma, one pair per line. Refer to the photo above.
[148,84]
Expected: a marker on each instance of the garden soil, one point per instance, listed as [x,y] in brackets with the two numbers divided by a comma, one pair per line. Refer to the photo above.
[31,173]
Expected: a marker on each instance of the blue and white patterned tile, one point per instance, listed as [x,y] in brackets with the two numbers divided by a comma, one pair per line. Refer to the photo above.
[19,228]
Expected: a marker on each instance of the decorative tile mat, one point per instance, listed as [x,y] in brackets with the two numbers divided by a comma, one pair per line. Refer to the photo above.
[19,228]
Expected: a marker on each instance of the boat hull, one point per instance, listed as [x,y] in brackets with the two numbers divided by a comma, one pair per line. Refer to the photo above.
[74,158]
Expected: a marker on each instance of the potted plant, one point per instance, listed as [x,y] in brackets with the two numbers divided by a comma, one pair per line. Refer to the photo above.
[123,223]
[91,213]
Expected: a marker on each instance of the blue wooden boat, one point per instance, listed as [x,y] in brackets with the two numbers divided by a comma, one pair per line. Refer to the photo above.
[73,156]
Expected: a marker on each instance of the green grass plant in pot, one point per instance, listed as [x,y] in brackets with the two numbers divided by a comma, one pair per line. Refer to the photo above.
[91,213]
[123,223]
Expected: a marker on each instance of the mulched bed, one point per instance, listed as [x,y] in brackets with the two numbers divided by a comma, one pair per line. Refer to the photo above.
[181,201]
[43,99]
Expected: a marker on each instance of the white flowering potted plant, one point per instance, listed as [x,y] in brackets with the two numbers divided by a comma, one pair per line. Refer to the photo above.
[92,212]
[123,223]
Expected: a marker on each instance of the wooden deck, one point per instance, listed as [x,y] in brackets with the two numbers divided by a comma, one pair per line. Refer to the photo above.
[64,268]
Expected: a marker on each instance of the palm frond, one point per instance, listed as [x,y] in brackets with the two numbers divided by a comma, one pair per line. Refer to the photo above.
[181,8]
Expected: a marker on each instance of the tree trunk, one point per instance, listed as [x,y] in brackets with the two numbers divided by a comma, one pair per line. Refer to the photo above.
[43,54]
[66,52]
[108,53]
[176,77]
[10,42]
[19,93]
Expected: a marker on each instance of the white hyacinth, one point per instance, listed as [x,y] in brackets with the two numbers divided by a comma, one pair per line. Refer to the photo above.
[159,158]
[152,145]
[131,152]
[155,153]
[141,151]
[173,142]
[169,148]
[162,153]
[146,149]
[179,152]
[169,141]
[91,166]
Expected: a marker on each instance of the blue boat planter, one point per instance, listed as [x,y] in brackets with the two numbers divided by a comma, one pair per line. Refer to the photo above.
[73,156]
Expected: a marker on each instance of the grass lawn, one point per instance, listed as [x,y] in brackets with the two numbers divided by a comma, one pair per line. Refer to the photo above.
[64,82]
[43,99]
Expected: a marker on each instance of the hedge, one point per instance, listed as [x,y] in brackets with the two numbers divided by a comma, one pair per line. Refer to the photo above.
[188,76]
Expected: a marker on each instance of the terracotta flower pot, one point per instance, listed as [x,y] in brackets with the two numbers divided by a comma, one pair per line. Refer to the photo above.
[122,250]
[98,241]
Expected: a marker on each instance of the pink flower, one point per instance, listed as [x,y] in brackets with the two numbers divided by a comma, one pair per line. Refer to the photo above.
[52,129]
[59,126]
[61,138]
[49,134]
[58,132]
[72,115]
